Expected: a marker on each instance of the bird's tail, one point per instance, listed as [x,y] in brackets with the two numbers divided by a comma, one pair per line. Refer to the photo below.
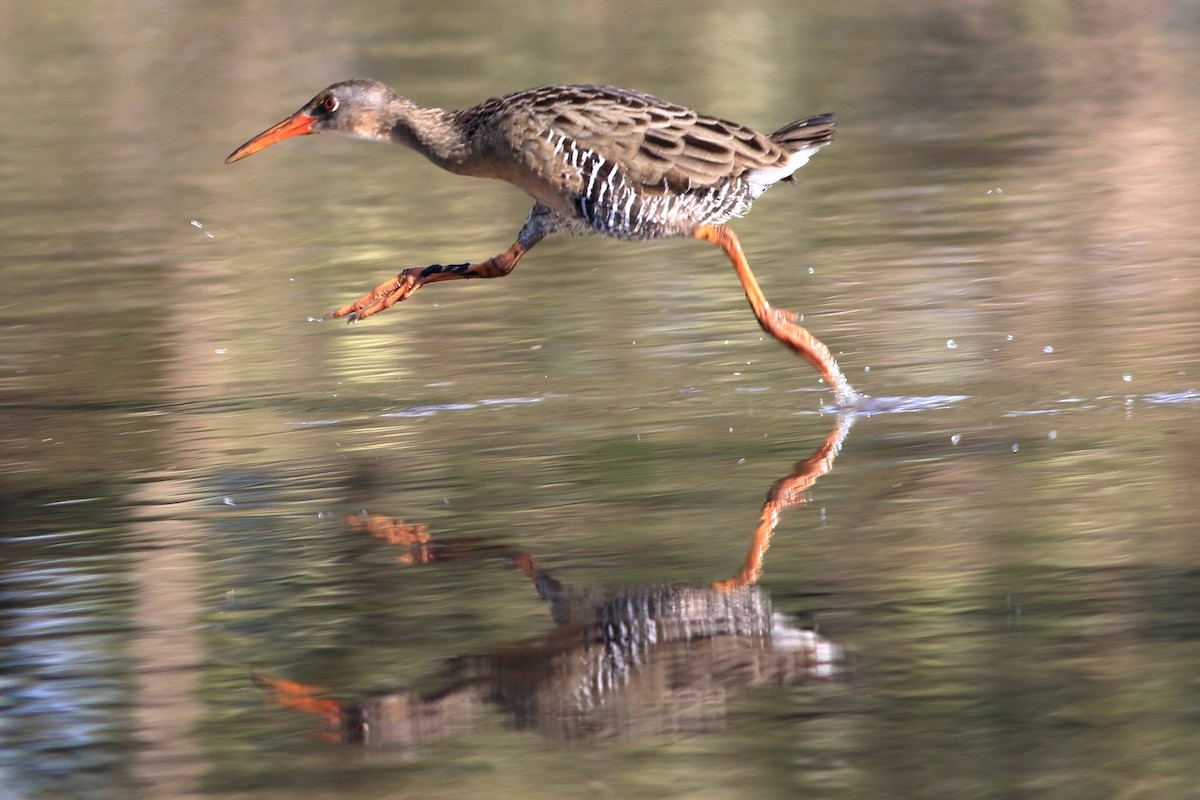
[804,134]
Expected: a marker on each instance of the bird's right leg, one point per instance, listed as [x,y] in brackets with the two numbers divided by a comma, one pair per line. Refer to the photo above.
[784,325]
[540,223]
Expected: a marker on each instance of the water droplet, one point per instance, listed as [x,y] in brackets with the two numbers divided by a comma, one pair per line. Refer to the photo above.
[812,271]
[196,224]
[1052,435]
[866,369]
[1016,447]
[1008,338]
[1127,377]
[1047,349]
[951,344]
[221,351]
[955,439]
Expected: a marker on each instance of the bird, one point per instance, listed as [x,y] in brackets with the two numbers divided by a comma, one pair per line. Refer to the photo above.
[595,159]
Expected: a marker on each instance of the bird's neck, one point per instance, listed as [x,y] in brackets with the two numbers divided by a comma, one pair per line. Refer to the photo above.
[430,131]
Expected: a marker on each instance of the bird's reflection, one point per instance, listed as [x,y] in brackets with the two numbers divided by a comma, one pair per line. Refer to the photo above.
[618,661]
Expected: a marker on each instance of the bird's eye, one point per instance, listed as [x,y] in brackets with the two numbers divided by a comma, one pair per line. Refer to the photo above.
[330,103]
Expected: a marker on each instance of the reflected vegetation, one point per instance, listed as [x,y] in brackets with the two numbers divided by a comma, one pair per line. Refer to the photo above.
[62,694]
[620,661]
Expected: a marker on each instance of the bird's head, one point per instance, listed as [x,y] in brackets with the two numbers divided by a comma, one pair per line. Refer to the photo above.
[352,107]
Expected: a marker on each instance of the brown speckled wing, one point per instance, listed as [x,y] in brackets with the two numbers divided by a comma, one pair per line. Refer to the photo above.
[661,146]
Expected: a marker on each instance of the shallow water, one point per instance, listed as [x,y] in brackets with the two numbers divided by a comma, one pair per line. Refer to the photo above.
[1002,569]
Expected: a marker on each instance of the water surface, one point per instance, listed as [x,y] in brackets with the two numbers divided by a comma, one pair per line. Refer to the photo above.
[1002,236]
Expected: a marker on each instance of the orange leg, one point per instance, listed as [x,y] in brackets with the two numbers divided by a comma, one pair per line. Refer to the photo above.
[421,549]
[396,531]
[785,493]
[779,322]
[401,287]
[303,697]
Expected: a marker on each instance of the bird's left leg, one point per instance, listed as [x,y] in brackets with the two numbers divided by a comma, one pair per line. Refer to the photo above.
[540,223]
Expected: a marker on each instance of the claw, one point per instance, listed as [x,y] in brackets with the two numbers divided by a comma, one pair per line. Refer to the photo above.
[405,284]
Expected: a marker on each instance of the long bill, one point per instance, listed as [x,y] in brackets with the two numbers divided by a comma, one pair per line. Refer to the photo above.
[298,124]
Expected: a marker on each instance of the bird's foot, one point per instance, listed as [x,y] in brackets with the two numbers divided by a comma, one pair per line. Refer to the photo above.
[785,326]
[414,536]
[383,296]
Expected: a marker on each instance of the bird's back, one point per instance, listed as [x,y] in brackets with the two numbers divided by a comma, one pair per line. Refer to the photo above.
[629,164]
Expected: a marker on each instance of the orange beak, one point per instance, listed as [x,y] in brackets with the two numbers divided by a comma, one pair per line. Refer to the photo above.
[298,124]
